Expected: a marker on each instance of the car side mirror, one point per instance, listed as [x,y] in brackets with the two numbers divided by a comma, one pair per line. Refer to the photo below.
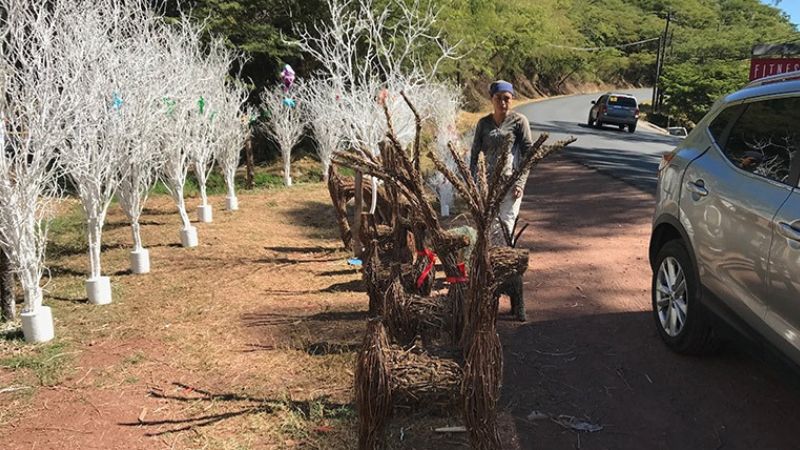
[593,102]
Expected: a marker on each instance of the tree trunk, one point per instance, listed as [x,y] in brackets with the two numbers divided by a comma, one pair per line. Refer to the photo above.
[177,194]
[325,169]
[249,163]
[287,168]
[202,179]
[339,200]
[359,207]
[95,241]
[7,301]
[137,237]
[230,181]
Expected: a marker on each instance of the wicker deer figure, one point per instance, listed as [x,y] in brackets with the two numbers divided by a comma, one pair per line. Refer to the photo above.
[480,343]
[404,177]
[473,299]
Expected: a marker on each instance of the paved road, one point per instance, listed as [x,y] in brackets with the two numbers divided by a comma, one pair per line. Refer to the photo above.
[633,157]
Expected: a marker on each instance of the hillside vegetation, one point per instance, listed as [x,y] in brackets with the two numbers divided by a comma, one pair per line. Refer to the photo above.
[546,45]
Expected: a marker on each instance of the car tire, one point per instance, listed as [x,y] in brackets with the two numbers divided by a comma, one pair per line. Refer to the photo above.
[631,128]
[598,124]
[691,334]
[621,127]
[589,121]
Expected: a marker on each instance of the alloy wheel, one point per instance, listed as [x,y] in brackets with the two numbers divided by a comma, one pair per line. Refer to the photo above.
[671,293]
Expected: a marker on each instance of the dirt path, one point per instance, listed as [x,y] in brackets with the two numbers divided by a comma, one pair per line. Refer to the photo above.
[590,349]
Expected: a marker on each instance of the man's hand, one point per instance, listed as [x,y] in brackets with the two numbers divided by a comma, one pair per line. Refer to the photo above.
[517,192]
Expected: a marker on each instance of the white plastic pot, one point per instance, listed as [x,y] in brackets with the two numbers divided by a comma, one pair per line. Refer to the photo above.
[189,237]
[140,261]
[231,203]
[204,213]
[37,326]
[99,290]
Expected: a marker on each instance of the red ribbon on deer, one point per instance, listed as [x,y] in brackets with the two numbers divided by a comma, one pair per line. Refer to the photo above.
[463,278]
[427,271]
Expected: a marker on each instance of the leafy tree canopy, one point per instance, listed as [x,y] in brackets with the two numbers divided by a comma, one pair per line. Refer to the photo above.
[543,42]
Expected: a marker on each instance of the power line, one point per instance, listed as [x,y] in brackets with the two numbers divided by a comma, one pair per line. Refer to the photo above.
[594,49]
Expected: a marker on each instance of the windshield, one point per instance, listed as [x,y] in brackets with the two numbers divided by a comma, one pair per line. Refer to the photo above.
[622,101]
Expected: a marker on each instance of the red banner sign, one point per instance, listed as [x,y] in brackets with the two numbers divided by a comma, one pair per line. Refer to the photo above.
[764,67]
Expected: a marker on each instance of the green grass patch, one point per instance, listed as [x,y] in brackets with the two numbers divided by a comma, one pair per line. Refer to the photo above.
[67,234]
[47,363]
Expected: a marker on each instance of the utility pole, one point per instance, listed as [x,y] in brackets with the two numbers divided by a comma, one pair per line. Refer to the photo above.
[658,74]
[662,53]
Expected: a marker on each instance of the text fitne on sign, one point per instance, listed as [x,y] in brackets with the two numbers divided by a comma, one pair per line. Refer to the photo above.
[764,67]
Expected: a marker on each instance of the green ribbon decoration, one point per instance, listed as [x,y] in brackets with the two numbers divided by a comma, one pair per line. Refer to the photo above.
[170,104]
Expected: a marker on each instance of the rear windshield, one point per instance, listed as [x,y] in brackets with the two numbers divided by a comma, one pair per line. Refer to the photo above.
[622,101]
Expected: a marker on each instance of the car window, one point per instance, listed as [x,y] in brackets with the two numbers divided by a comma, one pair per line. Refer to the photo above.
[622,101]
[765,138]
[721,122]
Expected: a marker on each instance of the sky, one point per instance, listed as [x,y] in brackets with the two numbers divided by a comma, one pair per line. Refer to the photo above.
[792,7]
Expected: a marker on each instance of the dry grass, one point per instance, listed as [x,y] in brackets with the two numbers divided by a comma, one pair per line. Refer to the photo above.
[247,341]
[265,308]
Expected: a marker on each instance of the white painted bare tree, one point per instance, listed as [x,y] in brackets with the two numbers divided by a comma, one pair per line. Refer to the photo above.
[345,51]
[91,36]
[233,124]
[201,155]
[322,109]
[143,156]
[444,109]
[366,48]
[212,70]
[33,109]
[179,114]
[285,124]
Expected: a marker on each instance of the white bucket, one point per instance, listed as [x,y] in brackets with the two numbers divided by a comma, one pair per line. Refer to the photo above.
[189,237]
[140,261]
[204,213]
[37,326]
[231,203]
[99,290]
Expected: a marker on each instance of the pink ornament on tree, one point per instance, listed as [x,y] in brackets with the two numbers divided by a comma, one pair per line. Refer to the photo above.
[287,75]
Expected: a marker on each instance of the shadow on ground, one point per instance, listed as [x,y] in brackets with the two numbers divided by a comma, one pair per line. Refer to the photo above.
[243,404]
[548,191]
[324,333]
[612,370]
[316,215]
[637,169]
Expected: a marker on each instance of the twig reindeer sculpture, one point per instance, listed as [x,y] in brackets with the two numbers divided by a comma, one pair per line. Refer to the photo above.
[402,174]
[472,296]
[513,287]
[480,343]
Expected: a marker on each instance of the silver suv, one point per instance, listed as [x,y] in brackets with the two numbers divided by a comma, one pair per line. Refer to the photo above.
[726,231]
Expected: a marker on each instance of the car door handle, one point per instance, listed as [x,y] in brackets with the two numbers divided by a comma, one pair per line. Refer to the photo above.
[788,231]
[698,187]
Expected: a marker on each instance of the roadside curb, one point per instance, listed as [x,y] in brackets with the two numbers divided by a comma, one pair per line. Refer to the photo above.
[654,127]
